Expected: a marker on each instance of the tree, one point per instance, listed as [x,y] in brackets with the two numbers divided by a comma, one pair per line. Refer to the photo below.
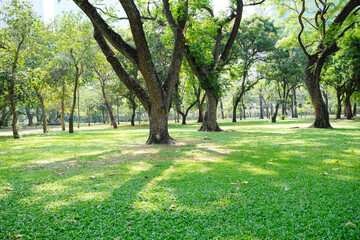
[20,21]
[207,50]
[330,21]
[256,37]
[75,44]
[156,100]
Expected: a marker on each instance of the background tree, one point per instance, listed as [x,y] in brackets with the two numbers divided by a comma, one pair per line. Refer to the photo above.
[156,100]
[322,24]
[256,37]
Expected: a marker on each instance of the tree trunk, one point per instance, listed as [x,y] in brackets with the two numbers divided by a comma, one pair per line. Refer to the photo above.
[354,109]
[240,112]
[295,103]
[222,109]
[244,108]
[339,100]
[16,134]
[261,107]
[63,115]
[201,111]
[326,99]
[313,86]
[283,108]
[107,105]
[347,105]
[29,116]
[44,123]
[273,118]
[158,118]
[78,105]
[133,114]
[236,103]
[71,118]
[3,116]
[210,124]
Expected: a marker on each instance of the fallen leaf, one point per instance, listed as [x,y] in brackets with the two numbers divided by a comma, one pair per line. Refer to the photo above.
[172,166]
[62,173]
[129,223]
[93,177]
[9,189]
[146,176]
[207,138]
[224,207]
[16,236]
[337,161]
[350,224]
[157,165]
[303,156]
[325,173]
[172,207]
[38,183]
[336,169]
[238,188]
[233,183]
[246,182]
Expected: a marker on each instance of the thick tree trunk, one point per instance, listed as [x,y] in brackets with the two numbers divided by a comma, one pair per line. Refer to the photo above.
[158,118]
[313,86]
[283,109]
[261,107]
[273,118]
[354,109]
[210,124]
[347,106]
[29,116]
[240,112]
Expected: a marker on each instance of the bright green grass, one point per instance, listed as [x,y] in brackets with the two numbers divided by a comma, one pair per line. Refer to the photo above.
[106,184]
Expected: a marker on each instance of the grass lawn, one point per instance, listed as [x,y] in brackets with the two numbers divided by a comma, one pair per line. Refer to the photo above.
[255,180]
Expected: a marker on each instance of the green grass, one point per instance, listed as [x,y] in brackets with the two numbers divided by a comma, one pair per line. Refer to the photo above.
[106,184]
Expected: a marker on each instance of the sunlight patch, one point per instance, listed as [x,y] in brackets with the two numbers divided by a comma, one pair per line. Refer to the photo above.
[54,206]
[54,187]
[258,170]
[98,196]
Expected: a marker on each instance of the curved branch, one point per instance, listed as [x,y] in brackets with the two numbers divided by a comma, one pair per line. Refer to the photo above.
[302,30]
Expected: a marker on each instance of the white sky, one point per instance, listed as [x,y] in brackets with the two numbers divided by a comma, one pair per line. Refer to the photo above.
[48,10]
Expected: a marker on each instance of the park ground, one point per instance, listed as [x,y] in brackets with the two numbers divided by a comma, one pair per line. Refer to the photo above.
[255,180]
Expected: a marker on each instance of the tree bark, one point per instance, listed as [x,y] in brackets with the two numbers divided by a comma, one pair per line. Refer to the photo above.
[3,117]
[312,81]
[210,124]
[158,118]
[273,118]
[15,129]
[117,111]
[283,109]
[244,108]
[347,106]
